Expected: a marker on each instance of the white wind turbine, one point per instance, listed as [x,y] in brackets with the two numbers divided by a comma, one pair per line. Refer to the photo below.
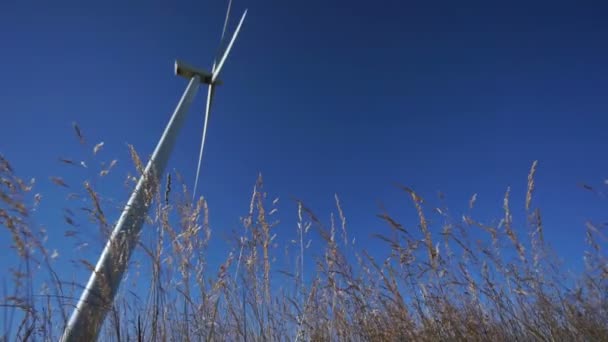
[98,295]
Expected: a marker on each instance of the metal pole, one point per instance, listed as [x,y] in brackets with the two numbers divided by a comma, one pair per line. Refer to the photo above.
[98,296]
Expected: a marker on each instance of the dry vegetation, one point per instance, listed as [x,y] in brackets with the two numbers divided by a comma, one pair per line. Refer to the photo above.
[435,284]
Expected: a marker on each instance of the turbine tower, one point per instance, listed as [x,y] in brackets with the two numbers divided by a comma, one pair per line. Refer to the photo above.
[97,297]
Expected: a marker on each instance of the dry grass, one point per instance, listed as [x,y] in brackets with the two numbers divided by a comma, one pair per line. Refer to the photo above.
[434,284]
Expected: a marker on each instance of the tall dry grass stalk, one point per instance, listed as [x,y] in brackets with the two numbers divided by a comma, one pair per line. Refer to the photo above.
[452,279]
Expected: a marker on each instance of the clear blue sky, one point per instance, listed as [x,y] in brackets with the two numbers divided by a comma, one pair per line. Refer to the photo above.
[322,98]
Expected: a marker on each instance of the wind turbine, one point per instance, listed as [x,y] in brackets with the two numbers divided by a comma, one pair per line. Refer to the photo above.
[98,295]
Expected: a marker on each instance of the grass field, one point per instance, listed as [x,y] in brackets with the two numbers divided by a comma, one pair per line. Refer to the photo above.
[435,284]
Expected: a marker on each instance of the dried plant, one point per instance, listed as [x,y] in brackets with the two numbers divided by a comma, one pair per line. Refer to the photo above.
[452,279]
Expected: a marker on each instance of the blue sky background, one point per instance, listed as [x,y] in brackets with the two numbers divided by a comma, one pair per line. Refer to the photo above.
[322,98]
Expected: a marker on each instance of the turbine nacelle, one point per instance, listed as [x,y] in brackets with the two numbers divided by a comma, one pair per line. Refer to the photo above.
[188,71]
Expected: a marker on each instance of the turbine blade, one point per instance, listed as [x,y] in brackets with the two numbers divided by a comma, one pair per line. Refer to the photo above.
[226,20]
[217,71]
[210,95]
[222,37]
